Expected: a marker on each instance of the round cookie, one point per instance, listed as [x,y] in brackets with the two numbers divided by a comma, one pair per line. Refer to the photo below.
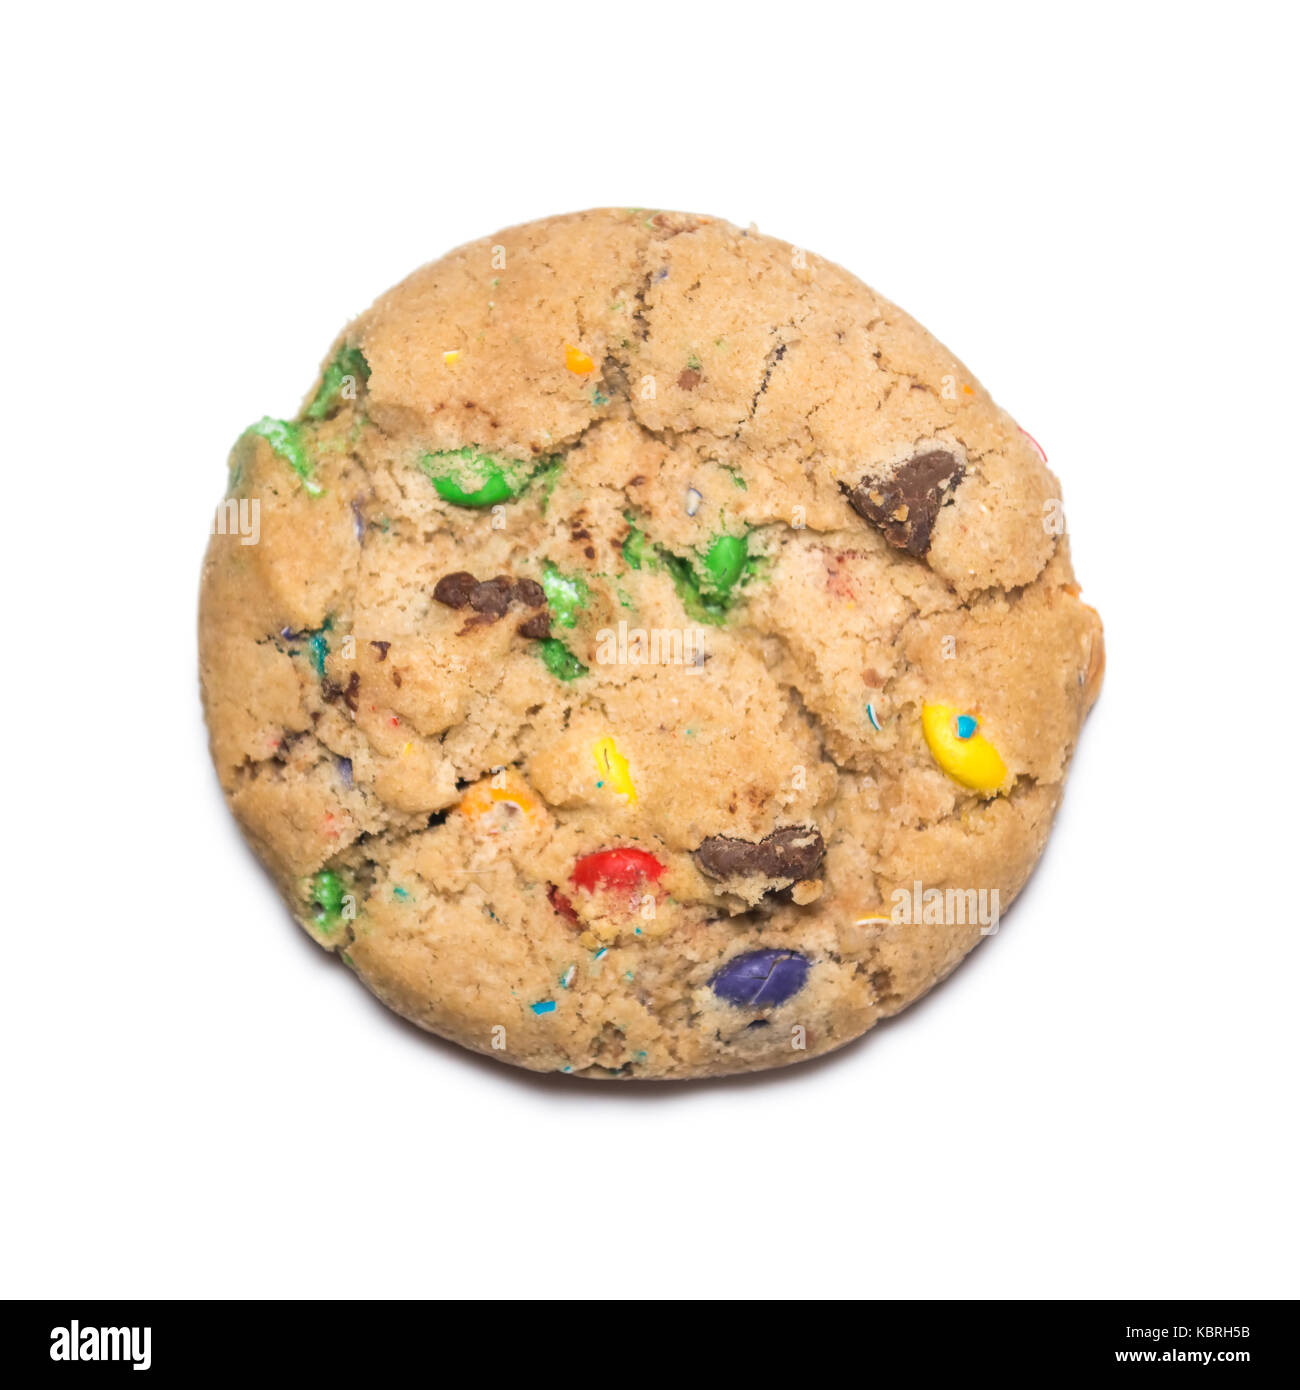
[648,653]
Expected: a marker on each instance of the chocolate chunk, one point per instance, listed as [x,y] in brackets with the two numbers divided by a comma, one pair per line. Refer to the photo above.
[906,505]
[455,590]
[490,598]
[792,852]
[530,593]
[722,857]
[382,649]
[350,694]
[493,596]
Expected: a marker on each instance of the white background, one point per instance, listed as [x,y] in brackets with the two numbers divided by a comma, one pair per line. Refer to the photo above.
[1095,208]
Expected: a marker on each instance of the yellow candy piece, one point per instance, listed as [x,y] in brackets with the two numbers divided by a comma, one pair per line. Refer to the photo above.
[613,768]
[973,761]
[577,361]
[451,358]
[508,786]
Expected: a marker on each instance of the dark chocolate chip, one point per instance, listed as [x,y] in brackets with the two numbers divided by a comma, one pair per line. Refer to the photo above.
[906,505]
[530,593]
[758,979]
[490,599]
[382,649]
[722,857]
[350,694]
[493,595]
[455,590]
[792,852]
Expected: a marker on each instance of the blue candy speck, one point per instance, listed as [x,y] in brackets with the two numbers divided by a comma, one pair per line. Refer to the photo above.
[320,646]
[966,725]
[544,1006]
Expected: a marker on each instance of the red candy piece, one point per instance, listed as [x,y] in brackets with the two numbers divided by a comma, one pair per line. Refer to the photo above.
[560,903]
[615,868]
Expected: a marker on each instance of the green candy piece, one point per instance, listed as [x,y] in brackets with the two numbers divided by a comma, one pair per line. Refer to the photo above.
[548,475]
[286,438]
[725,561]
[348,362]
[702,607]
[634,555]
[704,584]
[566,596]
[327,900]
[559,660]
[495,489]
[496,482]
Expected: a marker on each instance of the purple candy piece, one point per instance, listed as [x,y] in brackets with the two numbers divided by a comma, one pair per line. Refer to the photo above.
[345,771]
[760,978]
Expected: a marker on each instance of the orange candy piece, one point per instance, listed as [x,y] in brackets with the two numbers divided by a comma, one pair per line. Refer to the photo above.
[577,361]
[507,786]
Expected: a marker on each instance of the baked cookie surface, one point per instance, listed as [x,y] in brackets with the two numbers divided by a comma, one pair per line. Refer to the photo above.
[649,653]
